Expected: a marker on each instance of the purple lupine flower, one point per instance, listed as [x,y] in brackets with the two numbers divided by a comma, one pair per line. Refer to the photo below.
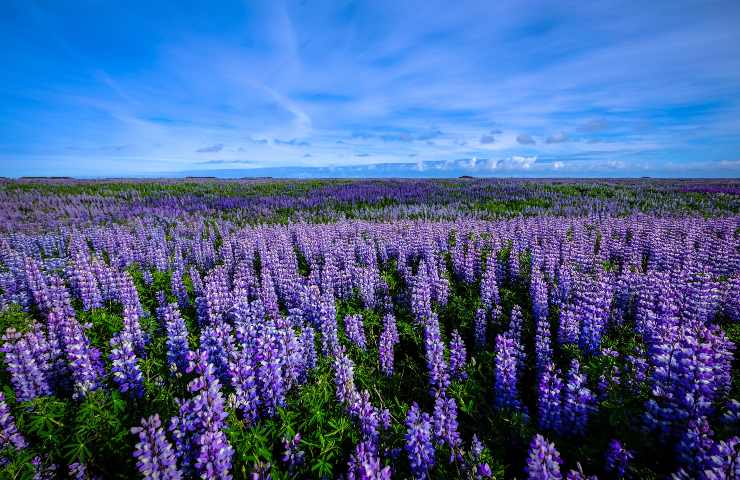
[9,434]
[385,352]
[132,327]
[155,457]
[483,470]
[368,416]
[295,371]
[723,463]
[544,460]
[617,458]
[578,401]
[308,347]
[514,332]
[732,414]
[364,464]
[389,325]
[196,280]
[513,264]
[439,378]
[458,357]
[328,326]
[177,338]
[445,425]
[489,294]
[218,297]
[269,372]
[84,282]
[200,442]
[83,360]
[44,470]
[217,341]
[497,316]
[354,330]
[732,298]
[569,325]
[419,442]
[27,360]
[128,297]
[125,368]
[515,322]
[695,444]
[267,292]
[543,350]
[243,379]
[106,280]
[293,456]
[178,289]
[37,285]
[421,297]
[476,447]
[344,378]
[538,293]
[691,371]
[549,404]
[481,324]
[594,309]
[506,372]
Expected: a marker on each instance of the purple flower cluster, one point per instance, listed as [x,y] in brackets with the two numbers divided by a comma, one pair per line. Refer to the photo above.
[293,456]
[480,328]
[618,458]
[550,406]
[155,457]
[200,442]
[691,370]
[177,338]
[344,378]
[419,447]
[489,293]
[578,401]
[458,357]
[27,360]
[506,372]
[544,460]
[125,368]
[444,422]
[355,331]
[439,376]
[9,435]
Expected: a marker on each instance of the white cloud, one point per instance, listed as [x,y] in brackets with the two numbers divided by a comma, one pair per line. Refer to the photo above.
[523,162]
[515,162]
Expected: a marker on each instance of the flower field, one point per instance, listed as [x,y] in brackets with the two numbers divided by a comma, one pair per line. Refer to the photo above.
[370,329]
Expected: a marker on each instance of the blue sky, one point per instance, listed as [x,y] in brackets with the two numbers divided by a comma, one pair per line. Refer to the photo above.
[345,88]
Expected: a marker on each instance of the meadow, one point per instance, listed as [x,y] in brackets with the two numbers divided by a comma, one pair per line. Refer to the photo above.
[373,329]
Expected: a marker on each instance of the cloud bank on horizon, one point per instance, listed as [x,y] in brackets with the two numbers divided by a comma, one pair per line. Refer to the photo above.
[350,88]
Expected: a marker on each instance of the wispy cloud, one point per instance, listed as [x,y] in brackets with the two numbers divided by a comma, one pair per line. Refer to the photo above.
[292,143]
[211,149]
